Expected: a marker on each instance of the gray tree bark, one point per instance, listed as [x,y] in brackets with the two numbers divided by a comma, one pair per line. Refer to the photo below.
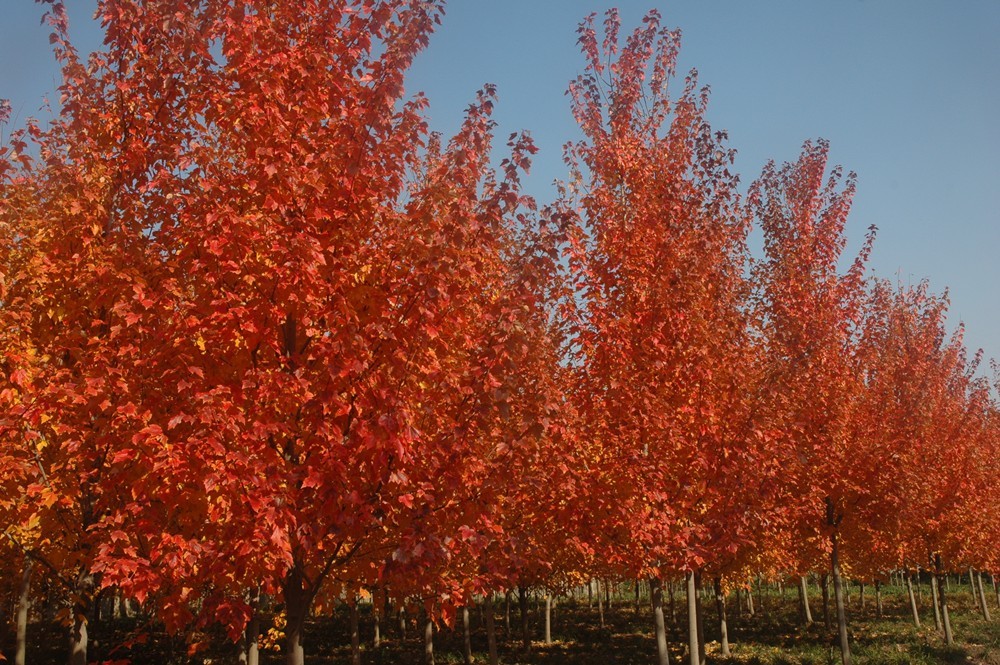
[949,637]
[913,600]
[838,592]
[466,636]
[804,590]
[355,632]
[692,605]
[491,630]
[659,626]
[720,605]
[937,602]
[982,596]
[23,605]
[429,642]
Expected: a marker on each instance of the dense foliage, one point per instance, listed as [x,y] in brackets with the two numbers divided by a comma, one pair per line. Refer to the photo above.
[269,344]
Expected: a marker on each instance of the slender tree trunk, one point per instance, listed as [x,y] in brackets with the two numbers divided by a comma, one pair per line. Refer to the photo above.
[838,592]
[982,596]
[913,601]
[720,605]
[466,636]
[659,628]
[590,594]
[750,608]
[78,641]
[975,590]
[937,603]
[355,632]
[295,612]
[700,610]
[600,602]
[377,621]
[673,603]
[491,630]
[861,593]
[637,597]
[943,597]
[692,604]
[607,593]
[23,604]
[806,612]
[429,642]
[402,621]
[253,638]
[506,613]
[824,583]
[548,617]
[878,599]
[522,602]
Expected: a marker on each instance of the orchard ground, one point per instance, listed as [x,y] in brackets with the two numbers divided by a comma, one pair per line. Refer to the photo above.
[773,636]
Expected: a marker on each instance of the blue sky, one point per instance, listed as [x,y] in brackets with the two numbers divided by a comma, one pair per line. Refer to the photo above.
[907,92]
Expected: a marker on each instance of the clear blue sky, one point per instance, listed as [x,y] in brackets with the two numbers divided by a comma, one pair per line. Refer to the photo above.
[907,91]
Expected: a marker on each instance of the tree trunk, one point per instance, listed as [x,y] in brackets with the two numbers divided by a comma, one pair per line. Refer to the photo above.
[252,639]
[974,589]
[429,642]
[760,596]
[548,617]
[913,601]
[296,608]
[982,596]
[878,599]
[824,582]
[838,592]
[522,602]
[806,612]
[600,602]
[491,630]
[466,636]
[700,610]
[637,596]
[935,599]
[506,613]
[943,597]
[78,628]
[78,641]
[673,603]
[750,608]
[355,632]
[377,627]
[861,593]
[590,594]
[659,628]
[402,621]
[720,605]
[23,604]
[692,604]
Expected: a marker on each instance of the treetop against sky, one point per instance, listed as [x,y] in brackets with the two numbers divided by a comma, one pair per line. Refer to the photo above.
[906,94]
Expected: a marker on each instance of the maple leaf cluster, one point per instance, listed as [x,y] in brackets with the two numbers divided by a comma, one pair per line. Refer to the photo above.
[265,336]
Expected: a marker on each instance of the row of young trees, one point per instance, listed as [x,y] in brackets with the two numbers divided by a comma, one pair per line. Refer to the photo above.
[265,334]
